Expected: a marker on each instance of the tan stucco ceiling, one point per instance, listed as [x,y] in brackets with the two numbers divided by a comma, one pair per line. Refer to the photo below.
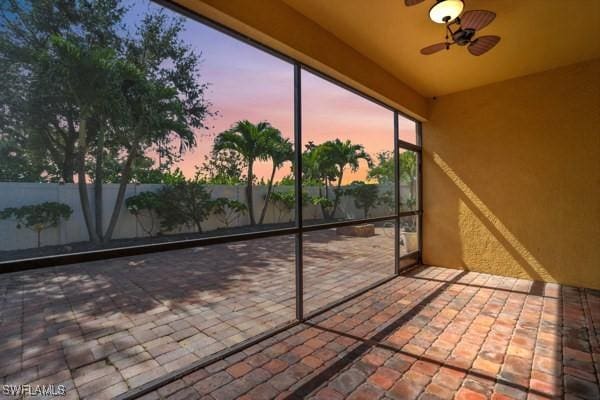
[537,35]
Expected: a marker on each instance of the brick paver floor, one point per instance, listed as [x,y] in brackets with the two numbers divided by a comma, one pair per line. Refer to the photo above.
[432,334]
[105,327]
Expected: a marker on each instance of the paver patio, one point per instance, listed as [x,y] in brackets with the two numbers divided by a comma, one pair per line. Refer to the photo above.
[432,334]
[105,327]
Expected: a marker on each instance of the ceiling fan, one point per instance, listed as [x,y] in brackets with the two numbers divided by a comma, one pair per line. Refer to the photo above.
[448,12]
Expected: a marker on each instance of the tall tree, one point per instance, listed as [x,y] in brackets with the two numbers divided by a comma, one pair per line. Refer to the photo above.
[253,142]
[163,98]
[320,171]
[343,154]
[90,85]
[90,74]
[36,102]
[280,150]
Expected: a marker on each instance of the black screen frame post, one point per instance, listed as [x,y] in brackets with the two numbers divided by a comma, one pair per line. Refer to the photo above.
[298,188]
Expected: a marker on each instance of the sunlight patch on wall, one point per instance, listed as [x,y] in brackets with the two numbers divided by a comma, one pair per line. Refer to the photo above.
[486,253]
[513,247]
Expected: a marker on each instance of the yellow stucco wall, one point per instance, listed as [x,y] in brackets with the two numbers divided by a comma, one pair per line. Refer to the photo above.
[512,178]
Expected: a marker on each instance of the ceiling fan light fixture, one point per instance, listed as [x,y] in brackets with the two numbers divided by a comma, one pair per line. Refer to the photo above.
[445,11]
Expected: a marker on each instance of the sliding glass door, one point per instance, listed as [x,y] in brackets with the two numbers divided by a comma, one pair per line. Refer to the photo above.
[409,194]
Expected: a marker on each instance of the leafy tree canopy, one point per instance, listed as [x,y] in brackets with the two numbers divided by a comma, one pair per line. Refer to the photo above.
[382,170]
[224,167]
[408,166]
[84,86]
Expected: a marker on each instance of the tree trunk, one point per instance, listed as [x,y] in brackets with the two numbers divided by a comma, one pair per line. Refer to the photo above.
[152,222]
[98,178]
[249,198]
[323,208]
[268,195]
[68,171]
[194,212]
[68,166]
[337,193]
[81,183]
[120,197]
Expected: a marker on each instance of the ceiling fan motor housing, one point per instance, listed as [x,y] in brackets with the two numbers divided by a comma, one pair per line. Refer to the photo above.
[467,26]
[463,37]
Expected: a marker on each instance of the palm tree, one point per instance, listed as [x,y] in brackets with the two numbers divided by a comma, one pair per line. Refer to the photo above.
[280,151]
[343,154]
[317,168]
[253,142]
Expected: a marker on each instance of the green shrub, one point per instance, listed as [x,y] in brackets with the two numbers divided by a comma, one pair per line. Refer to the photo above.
[366,195]
[142,205]
[325,204]
[38,217]
[285,202]
[410,203]
[226,210]
[387,200]
[185,203]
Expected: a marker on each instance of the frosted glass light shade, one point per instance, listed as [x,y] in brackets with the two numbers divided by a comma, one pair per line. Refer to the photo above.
[446,11]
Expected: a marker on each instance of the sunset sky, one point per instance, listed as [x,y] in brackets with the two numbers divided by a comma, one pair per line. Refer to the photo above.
[247,83]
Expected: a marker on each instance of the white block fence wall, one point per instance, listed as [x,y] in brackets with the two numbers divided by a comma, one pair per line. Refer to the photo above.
[16,194]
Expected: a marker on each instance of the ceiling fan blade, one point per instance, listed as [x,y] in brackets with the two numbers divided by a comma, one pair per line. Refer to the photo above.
[434,48]
[476,19]
[483,44]
[412,2]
